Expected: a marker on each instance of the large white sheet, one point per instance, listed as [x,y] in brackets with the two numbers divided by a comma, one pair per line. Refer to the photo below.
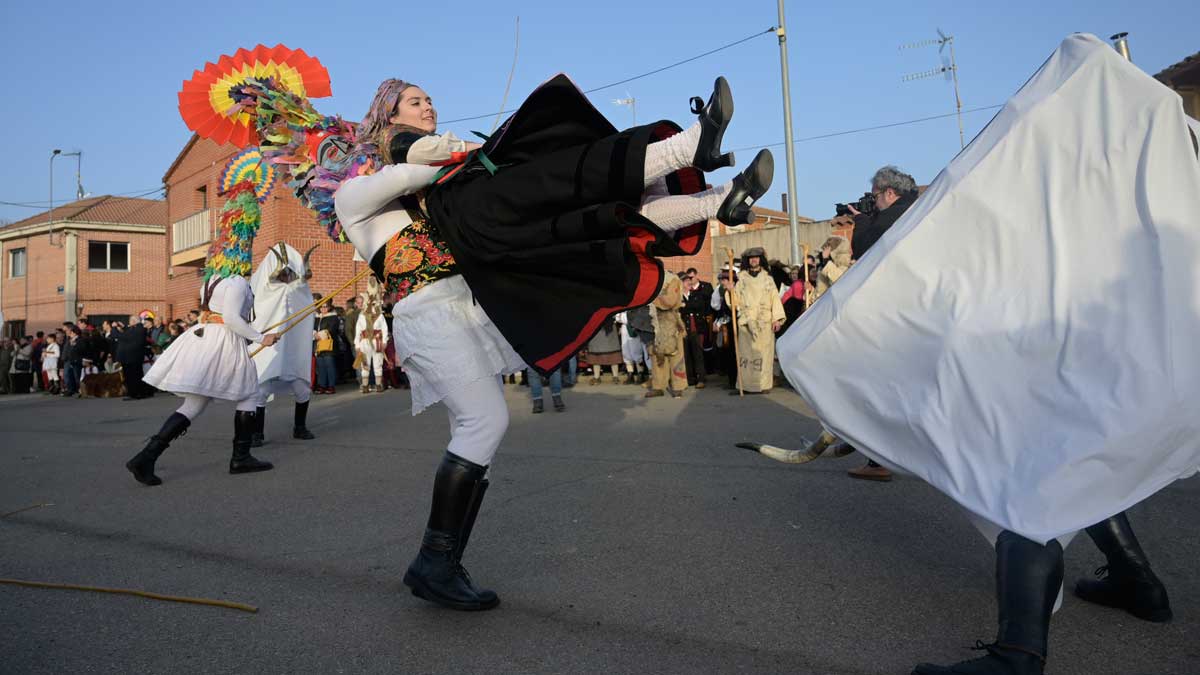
[1026,337]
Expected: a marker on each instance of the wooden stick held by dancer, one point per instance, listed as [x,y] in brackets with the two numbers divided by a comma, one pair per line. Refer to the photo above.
[305,312]
[737,357]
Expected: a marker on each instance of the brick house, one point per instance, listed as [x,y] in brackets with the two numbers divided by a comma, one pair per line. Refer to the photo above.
[99,257]
[193,206]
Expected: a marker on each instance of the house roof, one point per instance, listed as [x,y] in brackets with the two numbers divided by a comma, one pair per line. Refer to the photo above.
[777,215]
[179,158]
[1186,72]
[103,209]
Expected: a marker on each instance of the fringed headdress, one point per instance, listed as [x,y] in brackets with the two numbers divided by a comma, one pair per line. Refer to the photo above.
[370,132]
[231,253]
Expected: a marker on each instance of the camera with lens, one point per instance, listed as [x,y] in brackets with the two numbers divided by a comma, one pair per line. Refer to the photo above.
[865,206]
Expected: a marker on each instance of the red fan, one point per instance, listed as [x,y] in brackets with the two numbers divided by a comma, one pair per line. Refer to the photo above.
[209,110]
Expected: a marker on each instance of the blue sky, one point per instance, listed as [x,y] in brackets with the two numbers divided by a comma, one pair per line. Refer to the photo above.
[102,77]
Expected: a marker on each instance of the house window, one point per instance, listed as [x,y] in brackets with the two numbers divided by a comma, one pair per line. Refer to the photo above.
[108,256]
[16,263]
[202,193]
[14,329]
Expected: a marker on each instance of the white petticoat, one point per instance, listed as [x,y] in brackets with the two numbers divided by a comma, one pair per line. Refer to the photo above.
[216,365]
[445,340]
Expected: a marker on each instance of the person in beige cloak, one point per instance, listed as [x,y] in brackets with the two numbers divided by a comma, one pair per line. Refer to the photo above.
[837,264]
[759,315]
[668,371]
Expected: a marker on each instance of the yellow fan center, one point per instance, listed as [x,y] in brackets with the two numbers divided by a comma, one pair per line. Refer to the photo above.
[218,93]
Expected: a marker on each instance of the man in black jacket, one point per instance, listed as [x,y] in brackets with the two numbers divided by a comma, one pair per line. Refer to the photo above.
[697,295]
[894,192]
[131,354]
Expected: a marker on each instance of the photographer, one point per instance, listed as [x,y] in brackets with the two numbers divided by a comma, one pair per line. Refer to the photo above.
[893,192]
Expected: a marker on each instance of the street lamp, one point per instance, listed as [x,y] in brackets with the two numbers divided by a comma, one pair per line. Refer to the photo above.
[78,155]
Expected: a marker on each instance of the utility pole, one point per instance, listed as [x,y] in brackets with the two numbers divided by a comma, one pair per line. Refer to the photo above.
[793,224]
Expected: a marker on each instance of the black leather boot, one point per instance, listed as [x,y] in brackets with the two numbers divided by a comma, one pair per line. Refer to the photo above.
[142,464]
[260,422]
[748,187]
[243,430]
[1126,582]
[714,120]
[300,423]
[437,573]
[1028,577]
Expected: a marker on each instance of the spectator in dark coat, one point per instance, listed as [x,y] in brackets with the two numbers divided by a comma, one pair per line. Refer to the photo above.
[131,354]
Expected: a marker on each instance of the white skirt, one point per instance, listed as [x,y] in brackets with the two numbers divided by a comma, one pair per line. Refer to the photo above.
[216,365]
[444,340]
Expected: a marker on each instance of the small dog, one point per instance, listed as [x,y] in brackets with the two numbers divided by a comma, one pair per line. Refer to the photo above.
[102,385]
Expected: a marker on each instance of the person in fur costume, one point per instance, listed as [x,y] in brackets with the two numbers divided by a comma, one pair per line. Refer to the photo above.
[668,371]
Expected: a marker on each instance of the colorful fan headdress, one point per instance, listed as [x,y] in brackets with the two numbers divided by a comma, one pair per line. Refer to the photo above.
[232,250]
[261,97]
[249,165]
[210,102]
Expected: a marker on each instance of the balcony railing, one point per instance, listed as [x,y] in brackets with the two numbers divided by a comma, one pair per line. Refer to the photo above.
[192,231]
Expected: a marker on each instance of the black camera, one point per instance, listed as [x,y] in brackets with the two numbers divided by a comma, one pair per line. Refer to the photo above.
[865,206]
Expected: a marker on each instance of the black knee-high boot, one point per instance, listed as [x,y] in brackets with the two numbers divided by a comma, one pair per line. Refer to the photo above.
[260,423]
[437,573]
[1126,582]
[1028,578]
[142,464]
[243,431]
[300,423]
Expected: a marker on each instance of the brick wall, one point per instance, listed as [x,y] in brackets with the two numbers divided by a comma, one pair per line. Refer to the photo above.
[44,307]
[130,292]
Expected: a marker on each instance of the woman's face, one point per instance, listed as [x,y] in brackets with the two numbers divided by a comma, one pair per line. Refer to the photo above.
[416,110]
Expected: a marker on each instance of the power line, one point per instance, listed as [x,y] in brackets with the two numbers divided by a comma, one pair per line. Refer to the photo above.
[635,77]
[865,129]
[46,204]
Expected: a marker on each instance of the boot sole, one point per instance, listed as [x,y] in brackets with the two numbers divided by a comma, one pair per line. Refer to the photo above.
[420,590]
[748,187]
[257,469]
[152,481]
[1153,615]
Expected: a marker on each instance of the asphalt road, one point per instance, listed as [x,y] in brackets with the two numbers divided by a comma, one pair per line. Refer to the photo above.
[625,535]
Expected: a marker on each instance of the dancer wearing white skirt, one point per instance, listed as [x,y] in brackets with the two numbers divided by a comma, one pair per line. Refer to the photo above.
[211,359]
[280,286]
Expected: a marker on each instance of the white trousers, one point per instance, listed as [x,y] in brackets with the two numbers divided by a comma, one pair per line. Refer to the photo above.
[194,405]
[478,419]
[372,360]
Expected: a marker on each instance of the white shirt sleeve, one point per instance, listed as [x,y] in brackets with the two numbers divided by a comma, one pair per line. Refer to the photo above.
[440,148]
[717,298]
[363,196]
[239,326]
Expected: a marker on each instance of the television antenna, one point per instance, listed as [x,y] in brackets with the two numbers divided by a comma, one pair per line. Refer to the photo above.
[948,69]
[630,101]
